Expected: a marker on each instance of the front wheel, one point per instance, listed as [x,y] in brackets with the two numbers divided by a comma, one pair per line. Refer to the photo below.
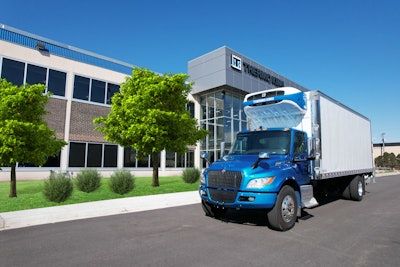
[283,215]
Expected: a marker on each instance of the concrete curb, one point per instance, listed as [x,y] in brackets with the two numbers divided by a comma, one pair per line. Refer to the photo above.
[25,218]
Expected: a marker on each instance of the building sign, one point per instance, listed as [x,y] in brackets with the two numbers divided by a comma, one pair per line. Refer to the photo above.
[236,63]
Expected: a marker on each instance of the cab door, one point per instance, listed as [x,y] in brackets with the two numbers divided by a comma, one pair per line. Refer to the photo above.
[300,156]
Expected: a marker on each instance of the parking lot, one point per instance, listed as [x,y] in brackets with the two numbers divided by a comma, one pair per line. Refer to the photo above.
[338,233]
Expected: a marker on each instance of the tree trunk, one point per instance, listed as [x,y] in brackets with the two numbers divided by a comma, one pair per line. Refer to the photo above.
[156,164]
[13,182]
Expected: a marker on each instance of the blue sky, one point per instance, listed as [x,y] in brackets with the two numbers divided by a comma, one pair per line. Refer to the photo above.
[348,49]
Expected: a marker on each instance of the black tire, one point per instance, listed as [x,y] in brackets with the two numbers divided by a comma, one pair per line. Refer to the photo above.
[283,215]
[346,191]
[357,187]
[211,210]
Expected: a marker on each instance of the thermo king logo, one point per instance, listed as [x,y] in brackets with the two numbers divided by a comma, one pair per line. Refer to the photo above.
[236,62]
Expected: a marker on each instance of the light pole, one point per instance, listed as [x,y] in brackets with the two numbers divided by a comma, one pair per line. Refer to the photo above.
[383,144]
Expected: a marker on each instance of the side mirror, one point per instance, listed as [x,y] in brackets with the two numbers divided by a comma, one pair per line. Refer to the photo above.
[261,156]
[312,148]
[204,155]
[300,158]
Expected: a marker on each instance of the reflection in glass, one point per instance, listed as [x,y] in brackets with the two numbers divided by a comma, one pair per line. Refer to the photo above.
[13,71]
[56,83]
[223,117]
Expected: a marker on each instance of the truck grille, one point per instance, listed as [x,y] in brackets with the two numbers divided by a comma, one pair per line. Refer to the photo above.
[223,196]
[224,179]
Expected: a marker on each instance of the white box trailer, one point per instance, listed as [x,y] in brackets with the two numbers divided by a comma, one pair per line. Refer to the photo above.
[339,137]
[343,142]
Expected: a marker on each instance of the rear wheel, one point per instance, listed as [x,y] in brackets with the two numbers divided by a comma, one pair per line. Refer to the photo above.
[346,191]
[356,188]
[283,215]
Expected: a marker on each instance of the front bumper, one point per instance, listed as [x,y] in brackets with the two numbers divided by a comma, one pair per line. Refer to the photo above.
[238,199]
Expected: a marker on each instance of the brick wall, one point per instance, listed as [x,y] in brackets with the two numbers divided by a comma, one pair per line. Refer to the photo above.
[82,127]
[56,116]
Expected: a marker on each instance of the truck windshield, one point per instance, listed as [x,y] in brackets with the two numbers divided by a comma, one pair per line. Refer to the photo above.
[273,142]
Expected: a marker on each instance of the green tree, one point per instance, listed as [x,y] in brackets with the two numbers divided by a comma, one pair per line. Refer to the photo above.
[149,115]
[379,161]
[398,161]
[388,160]
[24,135]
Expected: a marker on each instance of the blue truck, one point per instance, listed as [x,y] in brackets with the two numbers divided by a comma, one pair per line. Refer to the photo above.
[298,145]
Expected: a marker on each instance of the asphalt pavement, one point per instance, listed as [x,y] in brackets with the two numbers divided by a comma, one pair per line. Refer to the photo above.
[25,218]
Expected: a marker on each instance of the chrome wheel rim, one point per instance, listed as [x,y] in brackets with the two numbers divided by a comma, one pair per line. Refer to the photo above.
[288,208]
[360,189]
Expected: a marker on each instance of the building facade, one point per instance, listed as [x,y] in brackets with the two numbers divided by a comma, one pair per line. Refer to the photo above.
[82,84]
[381,148]
[221,79]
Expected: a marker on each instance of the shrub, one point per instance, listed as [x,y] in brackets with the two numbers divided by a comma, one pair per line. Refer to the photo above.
[122,182]
[191,175]
[58,188]
[88,180]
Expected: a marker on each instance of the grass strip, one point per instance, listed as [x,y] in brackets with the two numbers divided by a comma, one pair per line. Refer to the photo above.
[30,193]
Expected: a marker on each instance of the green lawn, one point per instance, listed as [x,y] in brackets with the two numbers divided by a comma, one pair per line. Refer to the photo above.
[30,193]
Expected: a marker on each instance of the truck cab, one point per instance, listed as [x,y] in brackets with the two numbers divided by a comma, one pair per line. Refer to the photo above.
[259,164]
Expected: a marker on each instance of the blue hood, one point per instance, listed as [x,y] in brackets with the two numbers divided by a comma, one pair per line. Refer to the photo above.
[243,164]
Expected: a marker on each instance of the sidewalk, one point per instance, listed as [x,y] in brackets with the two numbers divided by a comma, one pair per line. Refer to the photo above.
[25,218]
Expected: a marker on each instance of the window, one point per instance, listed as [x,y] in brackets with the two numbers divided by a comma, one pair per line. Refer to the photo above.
[53,161]
[36,74]
[175,160]
[273,142]
[56,83]
[300,145]
[111,90]
[94,155]
[110,156]
[97,91]
[129,157]
[13,71]
[81,87]
[190,159]
[190,108]
[223,118]
[180,163]
[170,159]
[77,154]
[144,162]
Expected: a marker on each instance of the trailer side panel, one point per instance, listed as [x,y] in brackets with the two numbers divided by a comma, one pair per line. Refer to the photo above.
[346,143]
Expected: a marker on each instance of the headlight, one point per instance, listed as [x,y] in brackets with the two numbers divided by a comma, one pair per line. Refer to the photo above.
[202,177]
[260,182]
